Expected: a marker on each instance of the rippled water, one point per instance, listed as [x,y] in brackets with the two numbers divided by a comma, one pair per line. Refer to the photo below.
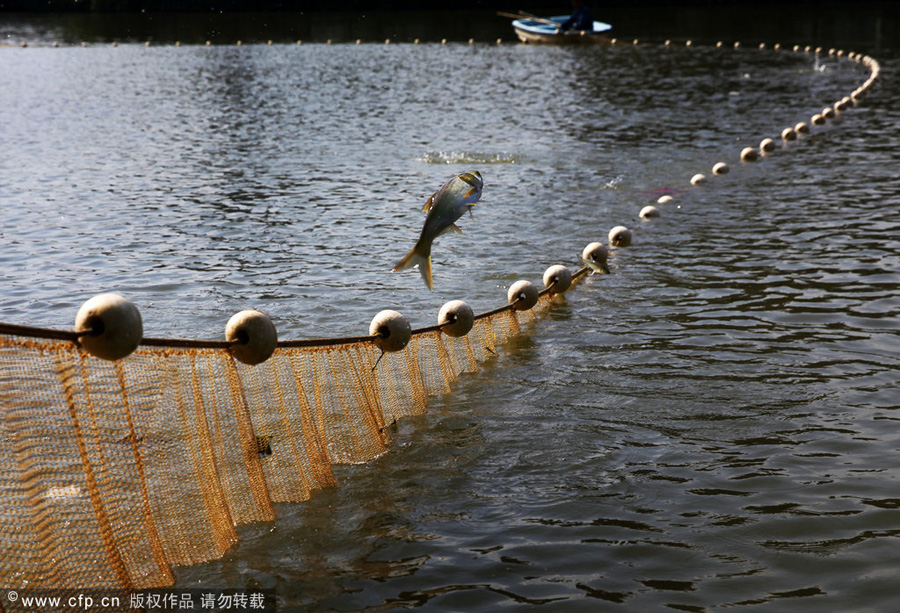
[710,425]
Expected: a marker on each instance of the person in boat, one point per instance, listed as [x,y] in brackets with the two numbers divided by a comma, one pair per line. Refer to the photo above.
[581,18]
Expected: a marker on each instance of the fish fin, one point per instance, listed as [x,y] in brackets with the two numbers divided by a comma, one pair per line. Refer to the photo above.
[451,228]
[425,269]
[410,260]
[415,258]
[428,204]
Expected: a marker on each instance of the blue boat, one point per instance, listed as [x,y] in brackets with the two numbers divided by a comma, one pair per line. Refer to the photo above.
[548,31]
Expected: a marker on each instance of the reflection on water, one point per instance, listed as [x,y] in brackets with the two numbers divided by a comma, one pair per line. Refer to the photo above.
[709,425]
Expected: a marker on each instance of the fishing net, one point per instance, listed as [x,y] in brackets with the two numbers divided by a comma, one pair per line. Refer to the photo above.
[111,472]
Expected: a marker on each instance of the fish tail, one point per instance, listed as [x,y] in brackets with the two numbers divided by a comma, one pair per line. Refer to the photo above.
[417,257]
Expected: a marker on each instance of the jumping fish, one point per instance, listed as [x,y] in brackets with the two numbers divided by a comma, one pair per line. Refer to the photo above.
[444,207]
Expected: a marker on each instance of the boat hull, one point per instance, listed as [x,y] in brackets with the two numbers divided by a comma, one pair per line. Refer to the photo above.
[540,33]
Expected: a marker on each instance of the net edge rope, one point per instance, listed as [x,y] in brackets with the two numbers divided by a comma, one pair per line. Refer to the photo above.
[75,336]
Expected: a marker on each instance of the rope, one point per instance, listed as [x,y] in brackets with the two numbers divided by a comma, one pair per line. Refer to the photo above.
[183,343]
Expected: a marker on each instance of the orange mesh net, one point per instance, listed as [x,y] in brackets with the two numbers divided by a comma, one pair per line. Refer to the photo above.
[112,472]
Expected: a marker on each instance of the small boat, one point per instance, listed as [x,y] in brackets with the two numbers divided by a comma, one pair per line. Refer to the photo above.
[548,31]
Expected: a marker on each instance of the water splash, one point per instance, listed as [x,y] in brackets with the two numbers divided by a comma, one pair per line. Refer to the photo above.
[614,182]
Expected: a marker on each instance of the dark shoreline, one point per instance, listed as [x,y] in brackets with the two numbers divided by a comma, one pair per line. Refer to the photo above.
[873,28]
[314,6]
